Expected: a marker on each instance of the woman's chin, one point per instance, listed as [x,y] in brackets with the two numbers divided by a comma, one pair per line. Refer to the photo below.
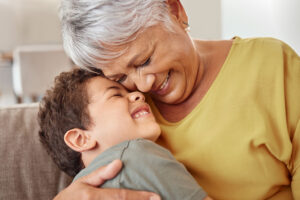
[171,98]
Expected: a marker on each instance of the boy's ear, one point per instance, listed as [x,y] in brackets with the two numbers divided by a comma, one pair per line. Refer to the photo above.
[78,140]
[176,9]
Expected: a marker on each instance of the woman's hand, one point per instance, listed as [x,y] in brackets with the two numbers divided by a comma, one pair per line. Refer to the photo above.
[86,188]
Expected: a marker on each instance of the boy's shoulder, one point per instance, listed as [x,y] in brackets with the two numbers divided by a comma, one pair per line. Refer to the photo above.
[129,152]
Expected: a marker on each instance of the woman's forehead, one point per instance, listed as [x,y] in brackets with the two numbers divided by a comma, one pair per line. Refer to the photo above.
[134,51]
[143,38]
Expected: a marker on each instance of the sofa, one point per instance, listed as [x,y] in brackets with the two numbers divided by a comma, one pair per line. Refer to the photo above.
[26,170]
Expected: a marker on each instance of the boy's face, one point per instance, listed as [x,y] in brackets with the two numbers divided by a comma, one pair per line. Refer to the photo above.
[117,115]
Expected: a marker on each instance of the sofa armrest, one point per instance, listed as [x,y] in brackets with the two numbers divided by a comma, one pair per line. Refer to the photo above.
[26,170]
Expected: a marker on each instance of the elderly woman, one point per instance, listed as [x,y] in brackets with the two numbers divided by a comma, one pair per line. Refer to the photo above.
[229,110]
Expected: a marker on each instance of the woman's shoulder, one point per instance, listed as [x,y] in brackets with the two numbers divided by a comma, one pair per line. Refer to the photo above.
[267,42]
[264,43]
[270,40]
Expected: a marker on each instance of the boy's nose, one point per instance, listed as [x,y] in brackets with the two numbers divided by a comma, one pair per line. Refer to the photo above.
[136,96]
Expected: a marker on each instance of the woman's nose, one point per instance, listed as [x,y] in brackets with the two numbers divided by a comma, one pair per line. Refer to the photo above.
[144,82]
[136,96]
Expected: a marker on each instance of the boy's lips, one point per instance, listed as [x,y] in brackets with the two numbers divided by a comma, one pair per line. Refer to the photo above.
[140,111]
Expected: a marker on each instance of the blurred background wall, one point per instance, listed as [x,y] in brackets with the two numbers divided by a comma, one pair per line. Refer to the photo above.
[36,22]
[26,22]
[224,19]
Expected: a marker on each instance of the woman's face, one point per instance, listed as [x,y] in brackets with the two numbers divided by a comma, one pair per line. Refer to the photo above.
[159,62]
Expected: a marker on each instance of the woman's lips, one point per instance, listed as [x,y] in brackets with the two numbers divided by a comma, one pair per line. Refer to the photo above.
[162,90]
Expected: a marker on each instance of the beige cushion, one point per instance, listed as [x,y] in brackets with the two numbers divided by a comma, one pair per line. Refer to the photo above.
[26,170]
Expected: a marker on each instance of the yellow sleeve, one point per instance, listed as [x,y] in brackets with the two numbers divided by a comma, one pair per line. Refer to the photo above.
[295,163]
[292,88]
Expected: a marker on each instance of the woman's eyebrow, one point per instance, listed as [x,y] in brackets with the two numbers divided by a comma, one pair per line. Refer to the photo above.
[132,61]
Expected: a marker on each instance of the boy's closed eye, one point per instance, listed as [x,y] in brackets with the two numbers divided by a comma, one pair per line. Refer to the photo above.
[113,91]
[117,95]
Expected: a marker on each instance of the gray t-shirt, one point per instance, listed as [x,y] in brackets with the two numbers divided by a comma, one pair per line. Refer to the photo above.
[149,167]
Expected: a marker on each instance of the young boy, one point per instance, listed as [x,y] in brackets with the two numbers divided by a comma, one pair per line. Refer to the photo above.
[88,121]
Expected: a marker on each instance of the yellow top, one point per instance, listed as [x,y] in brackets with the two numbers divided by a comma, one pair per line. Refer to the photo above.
[242,140]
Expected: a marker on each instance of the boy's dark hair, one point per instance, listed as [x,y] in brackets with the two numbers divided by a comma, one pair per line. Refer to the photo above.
[64,107]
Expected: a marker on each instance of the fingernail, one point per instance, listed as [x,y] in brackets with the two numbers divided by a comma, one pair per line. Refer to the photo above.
[154,197]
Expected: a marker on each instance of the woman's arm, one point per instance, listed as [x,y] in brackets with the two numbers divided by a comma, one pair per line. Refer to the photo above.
[86,188]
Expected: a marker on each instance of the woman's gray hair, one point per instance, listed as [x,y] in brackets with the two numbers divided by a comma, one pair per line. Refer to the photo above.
[90,27]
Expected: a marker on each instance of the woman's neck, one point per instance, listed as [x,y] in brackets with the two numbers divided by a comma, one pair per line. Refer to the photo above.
[212,55]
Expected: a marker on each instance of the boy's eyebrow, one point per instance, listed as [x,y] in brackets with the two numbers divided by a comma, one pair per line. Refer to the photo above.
[111,88]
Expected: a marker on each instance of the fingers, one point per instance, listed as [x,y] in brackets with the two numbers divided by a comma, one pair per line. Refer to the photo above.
[85,192]
[99,176]
[123,194]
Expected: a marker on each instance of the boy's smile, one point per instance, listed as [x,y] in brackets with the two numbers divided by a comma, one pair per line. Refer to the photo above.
[141,111]
[117,115]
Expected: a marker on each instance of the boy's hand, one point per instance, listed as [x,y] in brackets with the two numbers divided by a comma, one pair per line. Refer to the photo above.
[86,188]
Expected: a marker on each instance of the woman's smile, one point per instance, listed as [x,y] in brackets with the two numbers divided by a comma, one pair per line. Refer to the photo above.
[163,88]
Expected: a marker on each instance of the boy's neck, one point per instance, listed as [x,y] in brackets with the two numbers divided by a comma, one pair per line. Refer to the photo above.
[88,156]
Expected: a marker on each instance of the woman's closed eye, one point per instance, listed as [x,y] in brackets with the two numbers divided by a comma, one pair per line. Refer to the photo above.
[146,63]
[122,79]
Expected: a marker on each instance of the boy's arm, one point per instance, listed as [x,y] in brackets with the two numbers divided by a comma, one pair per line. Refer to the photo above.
[148,166]
[292,99]
[86,188]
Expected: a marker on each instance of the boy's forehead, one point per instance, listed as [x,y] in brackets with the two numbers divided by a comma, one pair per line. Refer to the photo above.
[100,85]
